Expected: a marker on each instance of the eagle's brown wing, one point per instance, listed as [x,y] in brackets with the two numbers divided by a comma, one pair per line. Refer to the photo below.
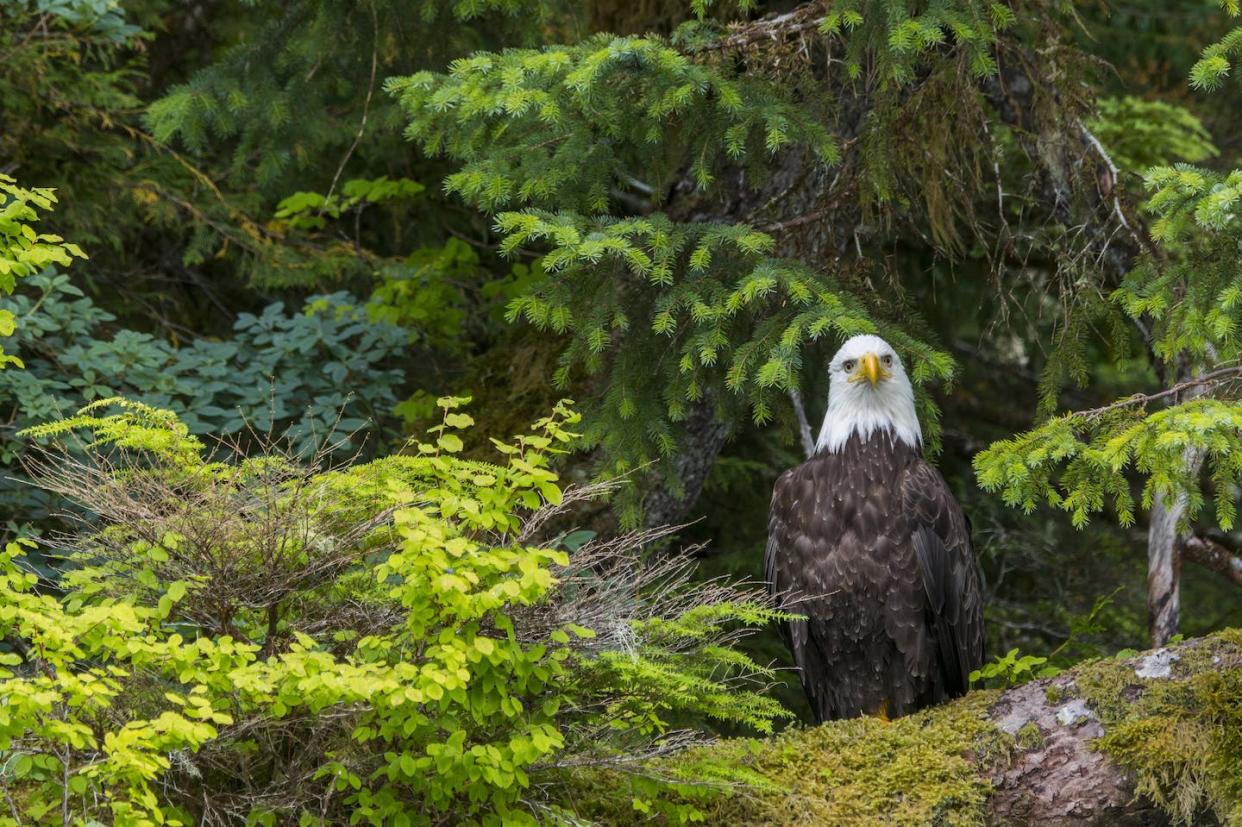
[789,567]
[940,535]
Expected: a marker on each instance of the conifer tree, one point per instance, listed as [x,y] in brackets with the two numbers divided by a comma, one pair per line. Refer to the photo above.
[691,219]
[608,156]
[654,176]
[1184,440]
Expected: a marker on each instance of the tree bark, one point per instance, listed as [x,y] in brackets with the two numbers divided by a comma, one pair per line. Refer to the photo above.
[1065,780]
[1165,537]
[703,437]
[1164,570]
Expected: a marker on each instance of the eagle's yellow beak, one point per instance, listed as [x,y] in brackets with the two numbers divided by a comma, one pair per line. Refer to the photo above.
[870,369]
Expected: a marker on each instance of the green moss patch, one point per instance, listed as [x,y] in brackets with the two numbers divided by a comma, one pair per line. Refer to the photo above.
[1180,735]
[1178,730]
[922,769]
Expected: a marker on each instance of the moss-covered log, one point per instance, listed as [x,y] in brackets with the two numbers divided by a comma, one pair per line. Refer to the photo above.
[1148,738]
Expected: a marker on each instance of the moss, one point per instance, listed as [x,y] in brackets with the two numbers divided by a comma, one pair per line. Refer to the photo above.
[922,769]
[1180,735]
[1030,736]
[1053,694]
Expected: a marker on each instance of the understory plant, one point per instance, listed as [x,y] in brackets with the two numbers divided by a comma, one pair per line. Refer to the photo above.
[306,374]
[258,639]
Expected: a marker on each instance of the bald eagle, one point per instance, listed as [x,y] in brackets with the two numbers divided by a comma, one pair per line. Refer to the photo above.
[867,543]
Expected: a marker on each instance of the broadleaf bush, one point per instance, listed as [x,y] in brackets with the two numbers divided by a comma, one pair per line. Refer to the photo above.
[328,374]
[264,639]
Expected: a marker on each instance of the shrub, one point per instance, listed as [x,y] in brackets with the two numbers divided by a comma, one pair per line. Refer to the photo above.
[252,639]
[23,250]
[305,374]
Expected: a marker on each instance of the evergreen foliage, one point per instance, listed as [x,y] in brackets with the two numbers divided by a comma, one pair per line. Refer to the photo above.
[284,108]
[1185,296]
[705,308]
[1215,63]
[550,129]
[715,312]
[68,77]
[897,36]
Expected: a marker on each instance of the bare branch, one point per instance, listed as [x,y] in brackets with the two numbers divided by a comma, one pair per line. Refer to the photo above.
[804,427]
[1211,378]
[1095,144]
[366,105]
[1213,556]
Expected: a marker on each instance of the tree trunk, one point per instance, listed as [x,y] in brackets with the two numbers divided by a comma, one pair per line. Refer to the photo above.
[1164,568]
[703,436]
[1165,540]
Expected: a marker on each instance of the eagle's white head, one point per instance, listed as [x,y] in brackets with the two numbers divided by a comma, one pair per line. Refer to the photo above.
[869,392]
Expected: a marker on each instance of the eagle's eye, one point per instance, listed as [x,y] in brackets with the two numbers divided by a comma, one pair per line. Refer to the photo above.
[848,365]
[887,359]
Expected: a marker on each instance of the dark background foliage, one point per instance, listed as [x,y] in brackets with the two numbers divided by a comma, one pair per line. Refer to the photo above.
[268,246]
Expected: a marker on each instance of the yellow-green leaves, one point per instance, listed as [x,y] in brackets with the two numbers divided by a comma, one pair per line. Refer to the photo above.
[137,427]
[441,671]
[60,704]
[23,250]
[312,210]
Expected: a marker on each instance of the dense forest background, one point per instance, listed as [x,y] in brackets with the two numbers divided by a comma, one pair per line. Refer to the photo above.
[308,221]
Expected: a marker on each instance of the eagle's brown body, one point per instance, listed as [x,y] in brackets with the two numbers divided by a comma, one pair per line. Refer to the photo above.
[869,545]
